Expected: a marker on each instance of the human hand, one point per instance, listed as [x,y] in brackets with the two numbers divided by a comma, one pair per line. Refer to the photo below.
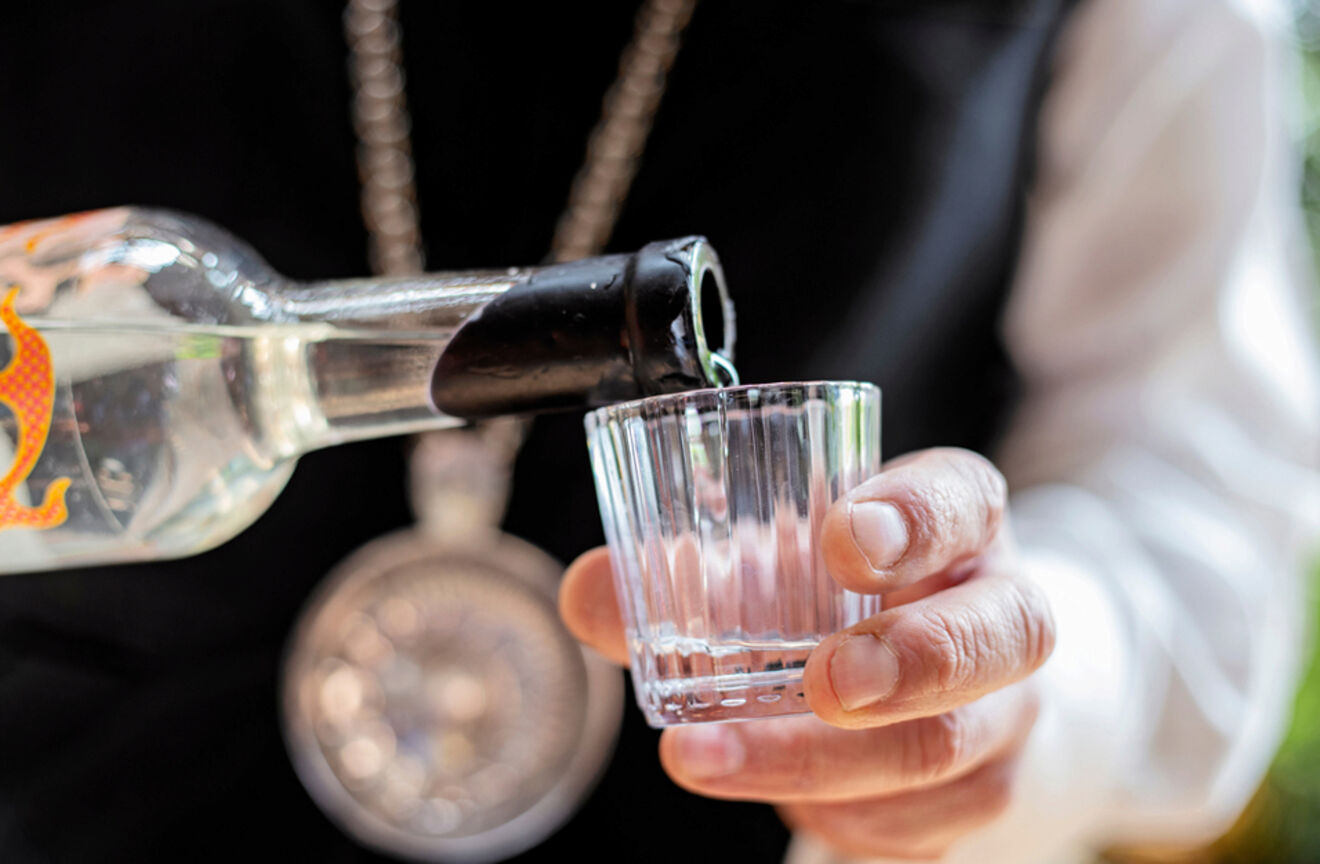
[916,730]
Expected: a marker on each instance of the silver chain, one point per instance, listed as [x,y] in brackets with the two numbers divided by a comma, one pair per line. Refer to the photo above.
[460,484]
[389,192]
[614,148]
[382,124]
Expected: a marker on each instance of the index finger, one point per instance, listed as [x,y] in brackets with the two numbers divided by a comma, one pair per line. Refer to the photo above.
[934,654]
[918,517]
[589,607]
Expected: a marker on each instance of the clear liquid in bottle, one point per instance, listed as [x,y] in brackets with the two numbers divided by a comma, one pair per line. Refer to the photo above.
[158,380]
[172,438]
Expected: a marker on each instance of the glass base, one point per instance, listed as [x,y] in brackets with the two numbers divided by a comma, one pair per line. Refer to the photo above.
[723,688]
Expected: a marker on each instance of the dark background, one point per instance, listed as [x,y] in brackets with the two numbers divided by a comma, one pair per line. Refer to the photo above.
[860,166]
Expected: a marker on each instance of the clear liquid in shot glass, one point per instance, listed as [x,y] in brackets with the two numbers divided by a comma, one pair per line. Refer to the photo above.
[712,504]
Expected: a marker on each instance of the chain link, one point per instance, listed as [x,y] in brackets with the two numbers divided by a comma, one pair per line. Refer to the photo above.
[614,148]
[384,151]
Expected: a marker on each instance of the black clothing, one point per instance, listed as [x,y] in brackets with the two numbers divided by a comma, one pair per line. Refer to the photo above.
[861,168]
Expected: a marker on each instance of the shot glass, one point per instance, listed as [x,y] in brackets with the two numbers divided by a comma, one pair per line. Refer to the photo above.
[712,502]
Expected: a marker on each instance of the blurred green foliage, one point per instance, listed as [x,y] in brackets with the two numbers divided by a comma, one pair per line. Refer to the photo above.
[1282,825]
[1308,35]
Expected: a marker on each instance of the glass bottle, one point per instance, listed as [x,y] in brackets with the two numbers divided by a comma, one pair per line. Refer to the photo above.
[159,380]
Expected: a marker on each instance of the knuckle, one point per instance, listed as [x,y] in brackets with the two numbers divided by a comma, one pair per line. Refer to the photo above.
[991,792]
[955,502]
[1035,623]
[996,794]
[909,846]
[989,489]
[927,849]
[928,513]
[940,746]
[804,769]
[952,645]
[903,845]
[789,759]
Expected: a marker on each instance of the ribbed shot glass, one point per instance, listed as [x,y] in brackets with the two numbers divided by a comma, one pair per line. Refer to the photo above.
[712,502]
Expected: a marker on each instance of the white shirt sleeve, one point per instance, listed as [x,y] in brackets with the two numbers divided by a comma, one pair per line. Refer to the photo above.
[1164,459]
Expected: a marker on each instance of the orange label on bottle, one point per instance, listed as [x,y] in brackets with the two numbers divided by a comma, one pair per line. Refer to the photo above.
[27,388]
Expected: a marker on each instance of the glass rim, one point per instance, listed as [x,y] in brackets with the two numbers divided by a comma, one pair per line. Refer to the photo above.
[714,397]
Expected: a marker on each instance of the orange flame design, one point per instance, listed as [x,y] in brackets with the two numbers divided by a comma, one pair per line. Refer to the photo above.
[27,388]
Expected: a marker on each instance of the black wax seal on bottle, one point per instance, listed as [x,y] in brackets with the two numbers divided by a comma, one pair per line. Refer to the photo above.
[592,332]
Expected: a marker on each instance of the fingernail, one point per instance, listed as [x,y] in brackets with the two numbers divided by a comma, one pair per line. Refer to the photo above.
[863,670]
[709,751]
[879,531]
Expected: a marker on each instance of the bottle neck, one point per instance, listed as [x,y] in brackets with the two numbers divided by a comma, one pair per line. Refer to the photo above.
[401,355]
[366,351]
[426,303]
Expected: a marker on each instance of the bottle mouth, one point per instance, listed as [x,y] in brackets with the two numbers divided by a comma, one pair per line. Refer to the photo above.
[713,316]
